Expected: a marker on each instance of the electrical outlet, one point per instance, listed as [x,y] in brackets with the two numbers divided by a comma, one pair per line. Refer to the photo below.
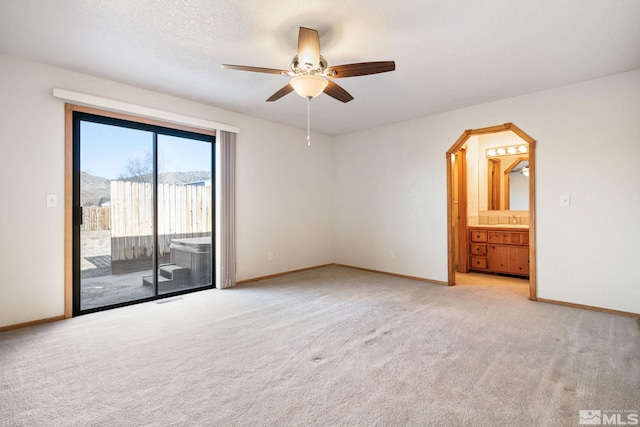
[270,256]
[52,200]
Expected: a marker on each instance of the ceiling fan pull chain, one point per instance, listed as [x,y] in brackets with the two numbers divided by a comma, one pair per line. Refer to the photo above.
[308,121]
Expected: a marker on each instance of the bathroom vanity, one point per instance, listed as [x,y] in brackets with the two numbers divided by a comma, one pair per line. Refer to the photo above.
[499,249]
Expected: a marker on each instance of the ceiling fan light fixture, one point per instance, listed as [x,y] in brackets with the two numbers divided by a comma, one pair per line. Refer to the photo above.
[309,85]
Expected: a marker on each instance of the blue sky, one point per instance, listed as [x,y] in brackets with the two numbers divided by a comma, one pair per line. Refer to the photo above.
[105,150]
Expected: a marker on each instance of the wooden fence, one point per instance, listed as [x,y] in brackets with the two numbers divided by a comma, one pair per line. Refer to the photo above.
[96,218]
[183,211]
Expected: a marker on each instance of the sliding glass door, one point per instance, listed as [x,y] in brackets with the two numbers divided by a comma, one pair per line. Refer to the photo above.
[185,213]
[143,196]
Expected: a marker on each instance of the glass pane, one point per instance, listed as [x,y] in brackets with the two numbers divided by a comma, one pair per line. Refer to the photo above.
[116,195]
[185,213]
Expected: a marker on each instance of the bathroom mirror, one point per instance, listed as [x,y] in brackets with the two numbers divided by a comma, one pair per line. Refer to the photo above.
[487,159]
[507,183]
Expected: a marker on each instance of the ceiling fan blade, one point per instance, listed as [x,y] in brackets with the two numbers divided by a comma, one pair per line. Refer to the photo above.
[279,94]
[337,92]
[360,69]
[255,69]
[308,48]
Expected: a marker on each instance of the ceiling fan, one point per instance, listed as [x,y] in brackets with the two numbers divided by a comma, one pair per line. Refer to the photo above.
[311,73]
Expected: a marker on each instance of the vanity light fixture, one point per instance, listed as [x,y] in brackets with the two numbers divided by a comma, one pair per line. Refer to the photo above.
[507,151]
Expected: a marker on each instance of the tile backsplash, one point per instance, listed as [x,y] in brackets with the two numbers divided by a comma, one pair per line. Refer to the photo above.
[499,217]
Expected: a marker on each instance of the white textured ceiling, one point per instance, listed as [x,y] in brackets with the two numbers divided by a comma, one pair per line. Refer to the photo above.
[449,53]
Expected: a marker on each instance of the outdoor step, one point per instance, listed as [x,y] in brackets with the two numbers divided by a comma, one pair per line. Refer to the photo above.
[164,272]
[172,267]
[173,271]
[148,280]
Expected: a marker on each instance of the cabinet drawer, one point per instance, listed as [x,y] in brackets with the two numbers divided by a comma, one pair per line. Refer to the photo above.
[478,263]
[478,235]
[508,237]
[478,249]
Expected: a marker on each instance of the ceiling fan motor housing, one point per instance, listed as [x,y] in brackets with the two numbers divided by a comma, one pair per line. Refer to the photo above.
[299,68]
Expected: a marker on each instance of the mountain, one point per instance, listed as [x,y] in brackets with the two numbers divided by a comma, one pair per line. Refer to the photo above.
[172,177]
[94,190]
[184,177]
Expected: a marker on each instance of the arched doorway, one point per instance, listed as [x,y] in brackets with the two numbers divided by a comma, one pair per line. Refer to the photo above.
[457,203]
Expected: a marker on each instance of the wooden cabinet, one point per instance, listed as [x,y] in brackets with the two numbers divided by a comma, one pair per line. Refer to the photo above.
[499,250]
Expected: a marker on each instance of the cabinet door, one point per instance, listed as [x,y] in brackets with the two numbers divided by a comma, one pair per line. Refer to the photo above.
[519,260]
[498,258]
[508,259]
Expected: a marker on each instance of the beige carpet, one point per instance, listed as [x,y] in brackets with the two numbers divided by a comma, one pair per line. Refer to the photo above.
[332,346]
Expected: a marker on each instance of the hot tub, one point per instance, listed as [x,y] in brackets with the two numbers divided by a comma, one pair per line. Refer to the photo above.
[195,254]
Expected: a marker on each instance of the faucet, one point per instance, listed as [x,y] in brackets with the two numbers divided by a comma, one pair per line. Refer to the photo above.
[514,220]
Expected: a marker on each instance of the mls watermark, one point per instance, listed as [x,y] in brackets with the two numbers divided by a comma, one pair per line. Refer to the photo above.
[601,417]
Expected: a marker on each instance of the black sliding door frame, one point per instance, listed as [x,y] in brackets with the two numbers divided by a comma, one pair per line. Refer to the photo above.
[156,131]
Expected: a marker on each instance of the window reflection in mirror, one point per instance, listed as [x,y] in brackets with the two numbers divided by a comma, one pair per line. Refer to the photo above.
[516,190]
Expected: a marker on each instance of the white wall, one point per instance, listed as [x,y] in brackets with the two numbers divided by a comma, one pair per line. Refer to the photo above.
[390,190]
[390,194]
[283,187]
[283,200]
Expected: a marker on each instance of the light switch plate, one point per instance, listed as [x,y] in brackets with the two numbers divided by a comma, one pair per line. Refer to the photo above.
[565,201]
